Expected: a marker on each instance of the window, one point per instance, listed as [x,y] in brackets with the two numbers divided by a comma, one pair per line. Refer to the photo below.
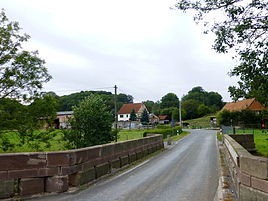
[121,116]
[127,115]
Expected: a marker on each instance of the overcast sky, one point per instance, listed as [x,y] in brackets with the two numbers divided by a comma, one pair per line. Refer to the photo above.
[142,46]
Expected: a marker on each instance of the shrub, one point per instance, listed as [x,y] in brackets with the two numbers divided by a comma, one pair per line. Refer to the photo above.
[165,132]
[91,124]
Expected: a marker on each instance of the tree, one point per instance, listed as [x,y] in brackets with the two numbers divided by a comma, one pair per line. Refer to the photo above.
[149,105]
[169,112]
[156,108]
[25,119]
[246,118]
[22,73]
[133,116]
[190,106]
[207,98]
[243,28]
[169,100]
[175,114]
[202,110]
[145,117]
[91,124]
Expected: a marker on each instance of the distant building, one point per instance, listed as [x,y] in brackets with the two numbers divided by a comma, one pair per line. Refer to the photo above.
[126,109]
[153,119]
[247,104]
[124,116]
[163,120]
[62,120]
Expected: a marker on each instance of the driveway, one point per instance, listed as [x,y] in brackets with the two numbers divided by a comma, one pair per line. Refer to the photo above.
[186,172]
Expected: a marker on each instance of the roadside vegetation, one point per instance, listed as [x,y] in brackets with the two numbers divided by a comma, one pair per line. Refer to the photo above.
[179,136]
[55,140]
[202,122]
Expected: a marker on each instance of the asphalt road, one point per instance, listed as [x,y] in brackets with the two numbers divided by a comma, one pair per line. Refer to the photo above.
[186,172]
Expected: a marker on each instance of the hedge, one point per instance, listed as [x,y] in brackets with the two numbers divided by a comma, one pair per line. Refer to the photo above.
[165,132]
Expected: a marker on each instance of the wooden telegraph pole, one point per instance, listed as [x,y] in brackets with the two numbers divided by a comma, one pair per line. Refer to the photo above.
[115,110]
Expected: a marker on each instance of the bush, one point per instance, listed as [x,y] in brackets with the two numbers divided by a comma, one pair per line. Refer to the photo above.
[163,126]
[245,118]
[165,132]
[91,124]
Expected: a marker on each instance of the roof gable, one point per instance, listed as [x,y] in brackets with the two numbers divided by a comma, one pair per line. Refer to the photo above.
[127,108]
[163,117]
[248,104]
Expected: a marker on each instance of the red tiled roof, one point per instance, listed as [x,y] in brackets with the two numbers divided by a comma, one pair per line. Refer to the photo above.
[163,117]
[248,104]
[127,108]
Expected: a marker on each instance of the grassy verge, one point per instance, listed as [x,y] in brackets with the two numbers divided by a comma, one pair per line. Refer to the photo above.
[177,137]
[130,134]
[219,136]
[203,122]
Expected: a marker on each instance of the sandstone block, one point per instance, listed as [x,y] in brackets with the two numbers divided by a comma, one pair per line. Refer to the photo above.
[7,188]
[102,169]
[63,158]
[255,166]
[259,184]
[31,186]
[56,184]
[124,161]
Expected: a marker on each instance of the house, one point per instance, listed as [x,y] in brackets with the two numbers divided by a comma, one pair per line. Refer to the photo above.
[153,119]
[62,120]
[247,104]
[126,109]
[163,119]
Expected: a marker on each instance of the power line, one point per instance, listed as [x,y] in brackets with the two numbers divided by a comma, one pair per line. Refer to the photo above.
[70,90]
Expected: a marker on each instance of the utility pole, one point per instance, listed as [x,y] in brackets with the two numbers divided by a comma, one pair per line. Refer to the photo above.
[115,110]
[180,114]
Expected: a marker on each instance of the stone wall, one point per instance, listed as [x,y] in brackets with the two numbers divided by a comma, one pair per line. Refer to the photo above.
[24,174]
[249,173]
[245,140]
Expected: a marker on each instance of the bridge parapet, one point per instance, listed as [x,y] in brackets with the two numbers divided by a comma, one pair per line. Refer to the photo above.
[24,174]
[249,172]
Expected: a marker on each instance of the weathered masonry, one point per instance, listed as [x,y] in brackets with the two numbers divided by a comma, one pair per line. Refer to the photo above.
[249,173]
[23,174]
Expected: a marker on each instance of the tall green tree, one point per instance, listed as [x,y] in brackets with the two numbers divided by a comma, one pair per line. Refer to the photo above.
[204,97]
[149,105]
[169,100]
[242,27]
[156,108]
[145,117]
[91,124]
[22,73]
[133,116]
[191,108]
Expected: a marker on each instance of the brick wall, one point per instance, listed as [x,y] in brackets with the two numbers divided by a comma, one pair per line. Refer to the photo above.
[23,174]
[249,173]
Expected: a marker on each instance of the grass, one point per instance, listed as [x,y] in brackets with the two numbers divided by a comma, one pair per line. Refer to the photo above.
[219,136]
[260,139]
[177,137]
[10,142]
[130,134]
[203,122]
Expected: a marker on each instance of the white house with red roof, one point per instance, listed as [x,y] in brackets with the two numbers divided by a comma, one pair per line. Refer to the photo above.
[126,109]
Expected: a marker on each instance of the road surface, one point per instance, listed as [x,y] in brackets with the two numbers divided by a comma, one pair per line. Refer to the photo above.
[186,172]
